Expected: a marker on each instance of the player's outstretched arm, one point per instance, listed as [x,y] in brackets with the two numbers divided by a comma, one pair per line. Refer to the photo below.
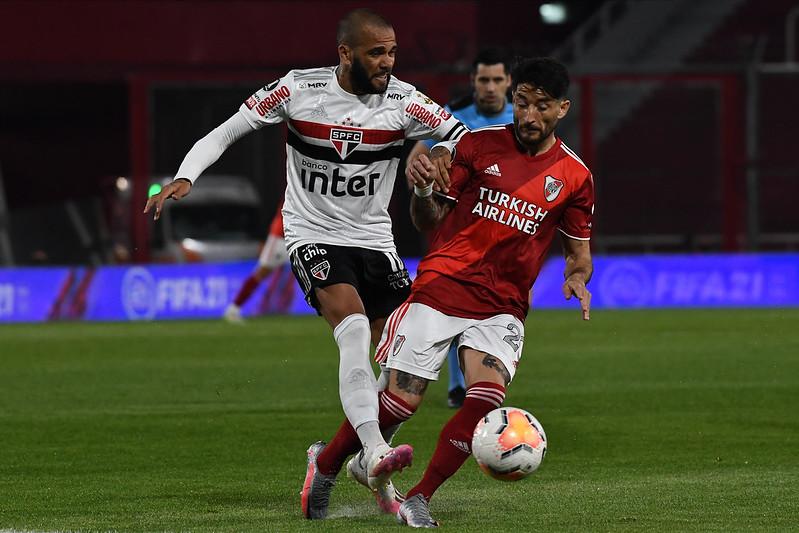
[579,268]
[175,190]
[202,155]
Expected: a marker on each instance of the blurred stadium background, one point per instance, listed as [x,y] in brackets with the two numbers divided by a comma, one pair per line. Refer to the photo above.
[660,419]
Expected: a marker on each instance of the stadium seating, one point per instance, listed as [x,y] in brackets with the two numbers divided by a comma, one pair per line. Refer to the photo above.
[672,139]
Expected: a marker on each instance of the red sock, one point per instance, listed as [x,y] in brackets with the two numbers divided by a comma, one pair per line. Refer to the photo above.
[393,411]
[246,290]
[455,442]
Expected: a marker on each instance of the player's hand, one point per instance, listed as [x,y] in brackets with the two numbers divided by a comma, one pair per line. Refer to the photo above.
[175,190]
[441,158]
[420,171]
[575,286]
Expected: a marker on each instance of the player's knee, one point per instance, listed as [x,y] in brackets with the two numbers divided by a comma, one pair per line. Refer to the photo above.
[408,387]
[413,400]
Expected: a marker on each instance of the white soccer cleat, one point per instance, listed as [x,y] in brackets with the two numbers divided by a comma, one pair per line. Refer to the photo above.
[233,314]
[415,512]
[388,498]
[384,461]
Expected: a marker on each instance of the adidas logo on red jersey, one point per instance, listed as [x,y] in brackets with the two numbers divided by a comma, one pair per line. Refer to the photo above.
[493,170]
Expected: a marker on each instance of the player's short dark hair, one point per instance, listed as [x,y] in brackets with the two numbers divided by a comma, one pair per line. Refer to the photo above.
[349,26]
[544,73]
[492,56]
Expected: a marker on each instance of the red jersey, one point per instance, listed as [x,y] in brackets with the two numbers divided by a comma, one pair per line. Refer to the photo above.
[488,251]
[276,227]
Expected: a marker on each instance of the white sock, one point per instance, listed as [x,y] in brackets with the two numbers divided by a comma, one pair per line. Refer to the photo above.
[357,385]
[371,438]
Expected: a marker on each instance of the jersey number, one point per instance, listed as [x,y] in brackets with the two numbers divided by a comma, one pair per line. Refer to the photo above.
[514,338]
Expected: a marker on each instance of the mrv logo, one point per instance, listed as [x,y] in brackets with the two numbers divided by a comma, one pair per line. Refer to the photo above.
[345,141]
[338,184]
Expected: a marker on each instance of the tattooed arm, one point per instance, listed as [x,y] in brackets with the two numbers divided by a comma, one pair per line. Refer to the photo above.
[429,206]
[427,212]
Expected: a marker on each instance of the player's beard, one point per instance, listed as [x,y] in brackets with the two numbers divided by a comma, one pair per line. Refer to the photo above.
[362,82]
[531,140]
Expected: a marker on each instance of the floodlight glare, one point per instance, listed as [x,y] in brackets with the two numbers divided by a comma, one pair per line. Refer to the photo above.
[553,13]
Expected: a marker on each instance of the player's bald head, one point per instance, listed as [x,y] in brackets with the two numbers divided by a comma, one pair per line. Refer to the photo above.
[351,27]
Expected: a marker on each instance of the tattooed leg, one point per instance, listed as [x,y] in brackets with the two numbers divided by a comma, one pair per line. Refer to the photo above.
[408,387]
[480,366]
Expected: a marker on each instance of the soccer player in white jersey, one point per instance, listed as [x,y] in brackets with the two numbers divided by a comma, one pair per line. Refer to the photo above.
[346,126]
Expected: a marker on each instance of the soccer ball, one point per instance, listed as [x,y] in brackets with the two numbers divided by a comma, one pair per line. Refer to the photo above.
[509,443]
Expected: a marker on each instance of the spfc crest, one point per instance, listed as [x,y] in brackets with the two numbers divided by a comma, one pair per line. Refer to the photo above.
[398,342]
[321,270]
[552,187]
[345,141]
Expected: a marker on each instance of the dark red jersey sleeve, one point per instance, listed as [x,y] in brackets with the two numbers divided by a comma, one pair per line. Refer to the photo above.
[577,219]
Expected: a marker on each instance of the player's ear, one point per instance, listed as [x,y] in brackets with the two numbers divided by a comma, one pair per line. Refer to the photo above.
[344,54]
[564,108]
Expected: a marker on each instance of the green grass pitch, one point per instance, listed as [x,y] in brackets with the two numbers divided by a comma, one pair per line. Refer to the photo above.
[657,421]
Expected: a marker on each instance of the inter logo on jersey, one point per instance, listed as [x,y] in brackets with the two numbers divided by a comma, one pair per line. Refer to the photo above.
[552,187]
[345,141]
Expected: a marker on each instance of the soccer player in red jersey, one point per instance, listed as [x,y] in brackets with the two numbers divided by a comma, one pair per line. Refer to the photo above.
[273,255]
[512,188]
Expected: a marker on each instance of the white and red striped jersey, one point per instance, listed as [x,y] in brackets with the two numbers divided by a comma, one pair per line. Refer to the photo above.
[342,153]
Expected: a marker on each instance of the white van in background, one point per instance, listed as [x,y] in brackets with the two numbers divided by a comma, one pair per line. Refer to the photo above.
[220,220]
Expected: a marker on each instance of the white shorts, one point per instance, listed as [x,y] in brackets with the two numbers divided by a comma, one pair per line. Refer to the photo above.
[416,339]
[274,253]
